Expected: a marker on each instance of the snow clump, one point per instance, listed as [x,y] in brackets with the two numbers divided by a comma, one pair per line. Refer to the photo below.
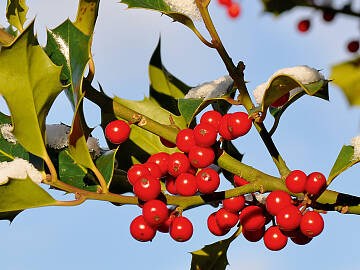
[19,168]
[6,132]
[187,7]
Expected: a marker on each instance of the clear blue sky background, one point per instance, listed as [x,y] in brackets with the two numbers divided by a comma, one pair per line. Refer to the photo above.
[96,235]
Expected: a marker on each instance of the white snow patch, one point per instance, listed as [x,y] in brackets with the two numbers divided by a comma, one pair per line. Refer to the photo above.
[213,89]
[6,132]
[261,198]
[303,74]
[19,168]
[187,7]
[355,142]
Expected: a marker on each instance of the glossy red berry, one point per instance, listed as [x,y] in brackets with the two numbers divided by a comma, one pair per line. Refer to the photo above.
[201,157]
[137,171]
[211,117]
[239,124]
[223,128]
[205,135]
[238,181]
[296,181]
[252,218]
[225,2]
[274,239]
[167,143]
[165,226]
[147,188]
[161,159]
[117,131]
[328,15]
[234,204]
[185,140]
[170,184]
[288,218]
[226,219]
[154,169]
[185,184]
[178,163]
[253,236]
[276,201]
[312,224]
[141,231]
[181,229]
[299,238]
[304,25]
[207,180]
[155,212]
[315,182]
[214,227]
[234,10]
[281,101]
[353,46]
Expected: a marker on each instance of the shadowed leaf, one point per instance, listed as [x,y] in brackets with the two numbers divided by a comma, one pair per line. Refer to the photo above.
[10,216]
[16,11]
[279,6]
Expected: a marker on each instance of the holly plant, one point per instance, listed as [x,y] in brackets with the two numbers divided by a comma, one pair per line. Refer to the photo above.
[169,152]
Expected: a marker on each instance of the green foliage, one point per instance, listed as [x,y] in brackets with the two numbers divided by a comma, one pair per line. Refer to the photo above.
[16,11]
[279,6]
[87,15]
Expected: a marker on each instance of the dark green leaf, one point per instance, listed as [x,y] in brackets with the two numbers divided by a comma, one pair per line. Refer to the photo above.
[105,163]
[9,215]
[119,183]
[279,6]
[16,13]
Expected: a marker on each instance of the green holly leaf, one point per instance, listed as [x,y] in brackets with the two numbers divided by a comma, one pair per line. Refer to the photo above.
[106,165]
[119,183]
[347,76]
[213,257]
[279,6]
[29,82]
[20,194]
[69,47]
[10,216]
[86,16]
[16,11]
[165,89]
[343,162]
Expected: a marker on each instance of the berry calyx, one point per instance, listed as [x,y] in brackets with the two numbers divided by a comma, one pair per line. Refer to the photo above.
[185,140]
[181,229]
[274,238]
[281,101]
[185,184]
[178,163]
[201,157]
[353,46]
[289,218]
[234,10]
[207,180]
[312,224]
[214,228]
[239,124]
[296,181]
[234,204]
[205,135]
[276,201]
[226,219]
[117,131]
[155,212]
[304,25]
[211,117]
[147,188]
[252,218]
[140,230]
[315,182]
[161,159]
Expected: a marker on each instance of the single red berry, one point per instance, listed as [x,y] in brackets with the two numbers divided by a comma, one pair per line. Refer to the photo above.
[288,218]
[234,204]
[185,184]
[353,46]
[281,101]
[225,2]
[154,169]
[238,181]
[253,236]
[165,226]
[170,184]
[226,219]
[185,140]
[252,218]
[315,182]
[137,171]
[304,25]
[312,224]
[299,238]
[117,131]
[296,181]
[234,10]
[201,157]
[328,15]
[223,128]
[141,231]
[155,212]
[214,227]
[167,143]
[207,180]
[178,163]
[239,124]
[181,229]
[274,239]
[276,201]
[147,188]
[205,135]
[161,159]
[211,117]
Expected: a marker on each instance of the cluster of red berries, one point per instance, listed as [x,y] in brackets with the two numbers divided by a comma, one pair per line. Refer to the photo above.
[233,9]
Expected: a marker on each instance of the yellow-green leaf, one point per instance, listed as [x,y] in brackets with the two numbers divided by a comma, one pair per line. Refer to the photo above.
[86,16]
[16,13]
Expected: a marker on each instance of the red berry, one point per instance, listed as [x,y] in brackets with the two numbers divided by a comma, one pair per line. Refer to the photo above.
[311,224]
[225,2]
[252,218]
[288,218]
[170,184]
[214,227]
[296,181]
[223,128]
[304,25]
[211,117]
[234,10]
[165,226]
[141,231]
[253,236]
[181,229]
[154,169]
[185,140]
[299,238]
[147,188]
[185,184]
[234,204]
[178,163]
[167,143]
[281,101]
[274,239]
[155,212]
[226,219]
[238,181]
[315,182]
[353,46]
[328,15]
[239,124]
[276,201]
[117,131]
[137,171]
[161,159]
[207,180]
[201,157]
[205,135]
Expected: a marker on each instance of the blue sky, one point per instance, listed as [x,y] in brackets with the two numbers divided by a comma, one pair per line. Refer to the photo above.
[96,235]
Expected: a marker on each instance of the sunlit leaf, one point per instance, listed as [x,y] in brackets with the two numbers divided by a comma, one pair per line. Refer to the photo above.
[105,163]
[16,11]
[86,16]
